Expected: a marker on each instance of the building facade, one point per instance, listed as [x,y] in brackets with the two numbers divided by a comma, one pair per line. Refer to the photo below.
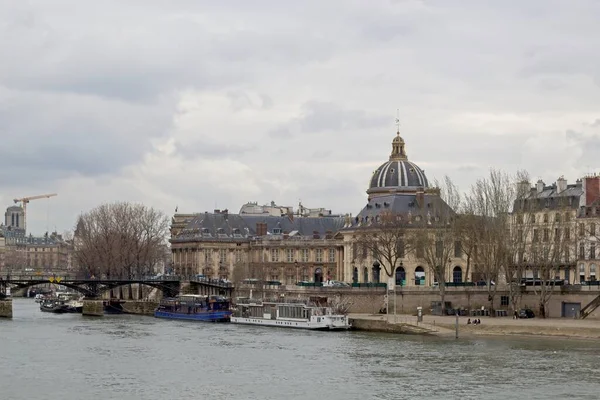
[311,245]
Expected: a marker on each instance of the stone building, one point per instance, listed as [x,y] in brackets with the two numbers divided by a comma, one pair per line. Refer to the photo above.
[564,215]
[280,248]
[32,254]
[275,243]
[399,187]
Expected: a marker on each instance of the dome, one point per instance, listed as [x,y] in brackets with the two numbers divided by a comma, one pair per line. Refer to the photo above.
[397,174]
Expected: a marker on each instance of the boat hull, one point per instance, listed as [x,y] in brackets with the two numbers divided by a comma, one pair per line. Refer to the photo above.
[315,326]
[212,316]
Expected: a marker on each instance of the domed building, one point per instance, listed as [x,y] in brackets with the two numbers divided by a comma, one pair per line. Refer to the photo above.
[400,201]
[398,175]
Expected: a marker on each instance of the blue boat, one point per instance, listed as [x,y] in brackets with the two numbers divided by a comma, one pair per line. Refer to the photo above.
[194,307]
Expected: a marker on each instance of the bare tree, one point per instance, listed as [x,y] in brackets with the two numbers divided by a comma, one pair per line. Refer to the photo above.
[433,240]
[383,239]
[521,224]
[490,200]
[15,260]
[120,240]
[544,240]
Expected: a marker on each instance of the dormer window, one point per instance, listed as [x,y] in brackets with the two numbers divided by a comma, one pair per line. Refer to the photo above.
[276,231]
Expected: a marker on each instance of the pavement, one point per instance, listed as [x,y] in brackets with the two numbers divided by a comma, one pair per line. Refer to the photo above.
[445,325]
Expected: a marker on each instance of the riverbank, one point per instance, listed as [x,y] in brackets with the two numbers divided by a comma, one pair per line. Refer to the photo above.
[445,326]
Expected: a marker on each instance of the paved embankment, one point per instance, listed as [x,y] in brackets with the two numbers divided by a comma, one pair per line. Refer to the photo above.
[550,327]
[404,325]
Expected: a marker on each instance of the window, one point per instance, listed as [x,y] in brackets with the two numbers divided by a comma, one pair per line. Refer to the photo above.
[567,216]
[567,234]
[546,234]
[439,248]
[331,255]
[520,235]
[238,255]
[305,274]
[581,272]
[503,300]
[593,229]
[520,219]
[545,218]
[207,253]
[592,251]
[535,236]
[223,255]
[276,231]
[354,251]
[581,229]
[304,255]
[457,249]
[557,217]
[420,250]
[582,251]
[290,255]
[274,255]
[319,255]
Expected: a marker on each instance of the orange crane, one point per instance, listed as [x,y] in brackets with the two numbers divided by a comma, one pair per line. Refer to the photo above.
[26,200]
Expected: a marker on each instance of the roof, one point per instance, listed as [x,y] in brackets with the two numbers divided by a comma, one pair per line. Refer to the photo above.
[550,198]
[243,227]
[408,204]
[398,174]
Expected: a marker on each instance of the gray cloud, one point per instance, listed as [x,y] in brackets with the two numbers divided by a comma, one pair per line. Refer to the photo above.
[317,117]
[92,97]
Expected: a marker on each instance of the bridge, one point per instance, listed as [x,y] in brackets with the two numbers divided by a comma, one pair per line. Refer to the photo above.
[95,289]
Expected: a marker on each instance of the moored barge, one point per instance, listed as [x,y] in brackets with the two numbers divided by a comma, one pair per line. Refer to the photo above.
[195,308]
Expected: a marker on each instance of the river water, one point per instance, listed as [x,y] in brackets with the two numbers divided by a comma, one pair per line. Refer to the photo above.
[47,356]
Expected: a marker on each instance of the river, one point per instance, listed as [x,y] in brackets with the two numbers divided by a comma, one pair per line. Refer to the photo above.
[70,357]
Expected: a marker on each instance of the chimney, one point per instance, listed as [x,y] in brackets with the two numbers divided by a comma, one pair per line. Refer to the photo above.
[561,184]
[540,186]
[420,197]
[261,229]
[591,189]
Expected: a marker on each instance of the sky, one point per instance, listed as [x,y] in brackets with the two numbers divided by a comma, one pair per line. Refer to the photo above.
[204,104]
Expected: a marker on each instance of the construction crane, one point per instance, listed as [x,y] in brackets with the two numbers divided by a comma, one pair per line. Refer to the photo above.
[26,200]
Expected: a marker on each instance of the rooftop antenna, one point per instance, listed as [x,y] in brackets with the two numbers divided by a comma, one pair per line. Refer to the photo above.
[398,121]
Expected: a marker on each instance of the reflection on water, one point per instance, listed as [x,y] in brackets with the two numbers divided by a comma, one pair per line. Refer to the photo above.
[48,356]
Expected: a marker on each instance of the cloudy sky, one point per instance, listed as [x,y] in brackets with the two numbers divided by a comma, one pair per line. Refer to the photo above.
[204,104]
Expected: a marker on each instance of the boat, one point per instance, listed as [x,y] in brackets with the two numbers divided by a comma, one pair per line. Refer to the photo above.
[62,303]
[195,308]
[57,306]
[297,314]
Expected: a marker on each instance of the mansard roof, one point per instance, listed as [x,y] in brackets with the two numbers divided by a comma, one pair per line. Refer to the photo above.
[215,226]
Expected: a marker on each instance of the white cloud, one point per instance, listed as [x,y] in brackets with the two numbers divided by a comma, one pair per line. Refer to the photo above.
[198,104]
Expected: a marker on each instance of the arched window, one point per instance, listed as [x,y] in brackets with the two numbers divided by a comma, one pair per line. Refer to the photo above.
[419,276]
[581,273]
[376,272]
[400,276]
[365,275]
[457,275]
[355,275]
[593,272]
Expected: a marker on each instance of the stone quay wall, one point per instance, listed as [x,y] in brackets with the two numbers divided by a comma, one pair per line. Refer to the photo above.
[6,308]
[140,307]
[406,300]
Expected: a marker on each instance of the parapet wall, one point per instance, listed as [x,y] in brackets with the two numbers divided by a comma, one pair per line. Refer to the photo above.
[406,300]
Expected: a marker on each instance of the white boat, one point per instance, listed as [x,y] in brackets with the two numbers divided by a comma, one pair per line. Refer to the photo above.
[288,314]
